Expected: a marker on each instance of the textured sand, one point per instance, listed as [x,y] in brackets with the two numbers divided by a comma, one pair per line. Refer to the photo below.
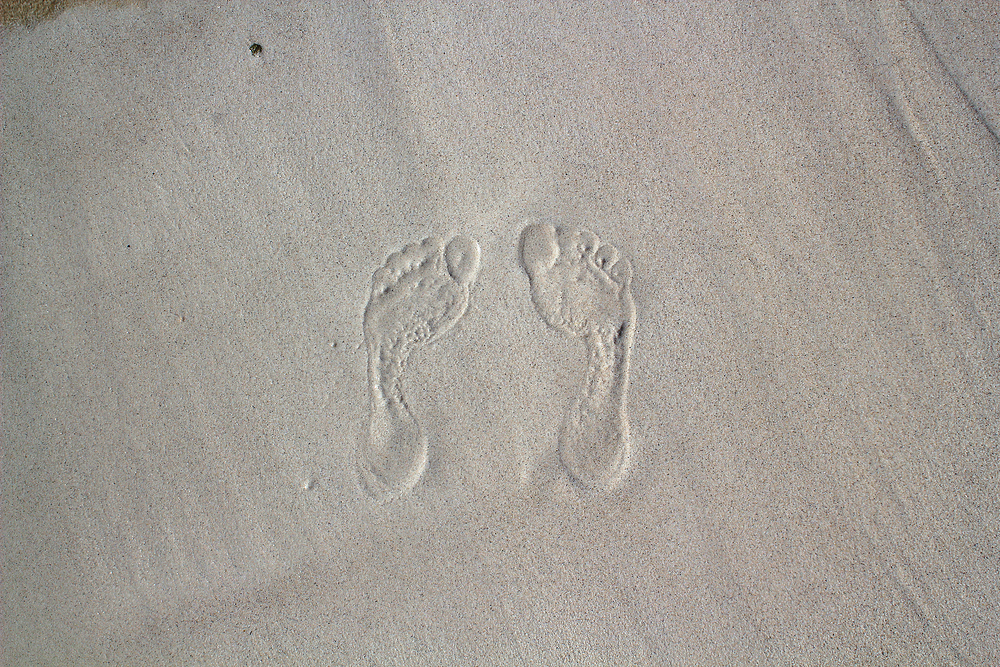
[806,193]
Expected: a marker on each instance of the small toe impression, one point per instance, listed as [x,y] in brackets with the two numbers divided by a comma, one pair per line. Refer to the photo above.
[606,257]
[621,272]
[539,247]
[381,279]
[576,244]
[395,262]
[399,261]
[462,258]
[588,242]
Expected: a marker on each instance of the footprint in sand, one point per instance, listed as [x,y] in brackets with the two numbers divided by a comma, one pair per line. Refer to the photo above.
[416,297]
[581,288]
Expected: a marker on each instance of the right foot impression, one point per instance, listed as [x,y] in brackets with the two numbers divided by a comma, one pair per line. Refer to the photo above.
[581,288]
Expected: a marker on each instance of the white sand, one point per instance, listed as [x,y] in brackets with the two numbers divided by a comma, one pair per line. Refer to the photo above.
[807,195]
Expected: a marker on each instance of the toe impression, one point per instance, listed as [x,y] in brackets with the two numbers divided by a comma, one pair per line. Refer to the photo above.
[462,258]
[621,272]
[539,248]
[606,257]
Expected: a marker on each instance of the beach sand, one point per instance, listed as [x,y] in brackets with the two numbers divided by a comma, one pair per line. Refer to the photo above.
[698,365]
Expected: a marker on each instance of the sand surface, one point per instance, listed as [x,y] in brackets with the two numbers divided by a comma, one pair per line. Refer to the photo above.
[223,446]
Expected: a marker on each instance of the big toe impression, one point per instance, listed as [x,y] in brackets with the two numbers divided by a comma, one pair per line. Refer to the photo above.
[462,257]
[539,248]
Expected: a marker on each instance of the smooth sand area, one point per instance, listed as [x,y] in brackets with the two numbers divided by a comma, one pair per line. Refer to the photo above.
[542,333]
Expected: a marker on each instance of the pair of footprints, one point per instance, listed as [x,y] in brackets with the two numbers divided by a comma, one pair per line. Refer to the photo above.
[578,287]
